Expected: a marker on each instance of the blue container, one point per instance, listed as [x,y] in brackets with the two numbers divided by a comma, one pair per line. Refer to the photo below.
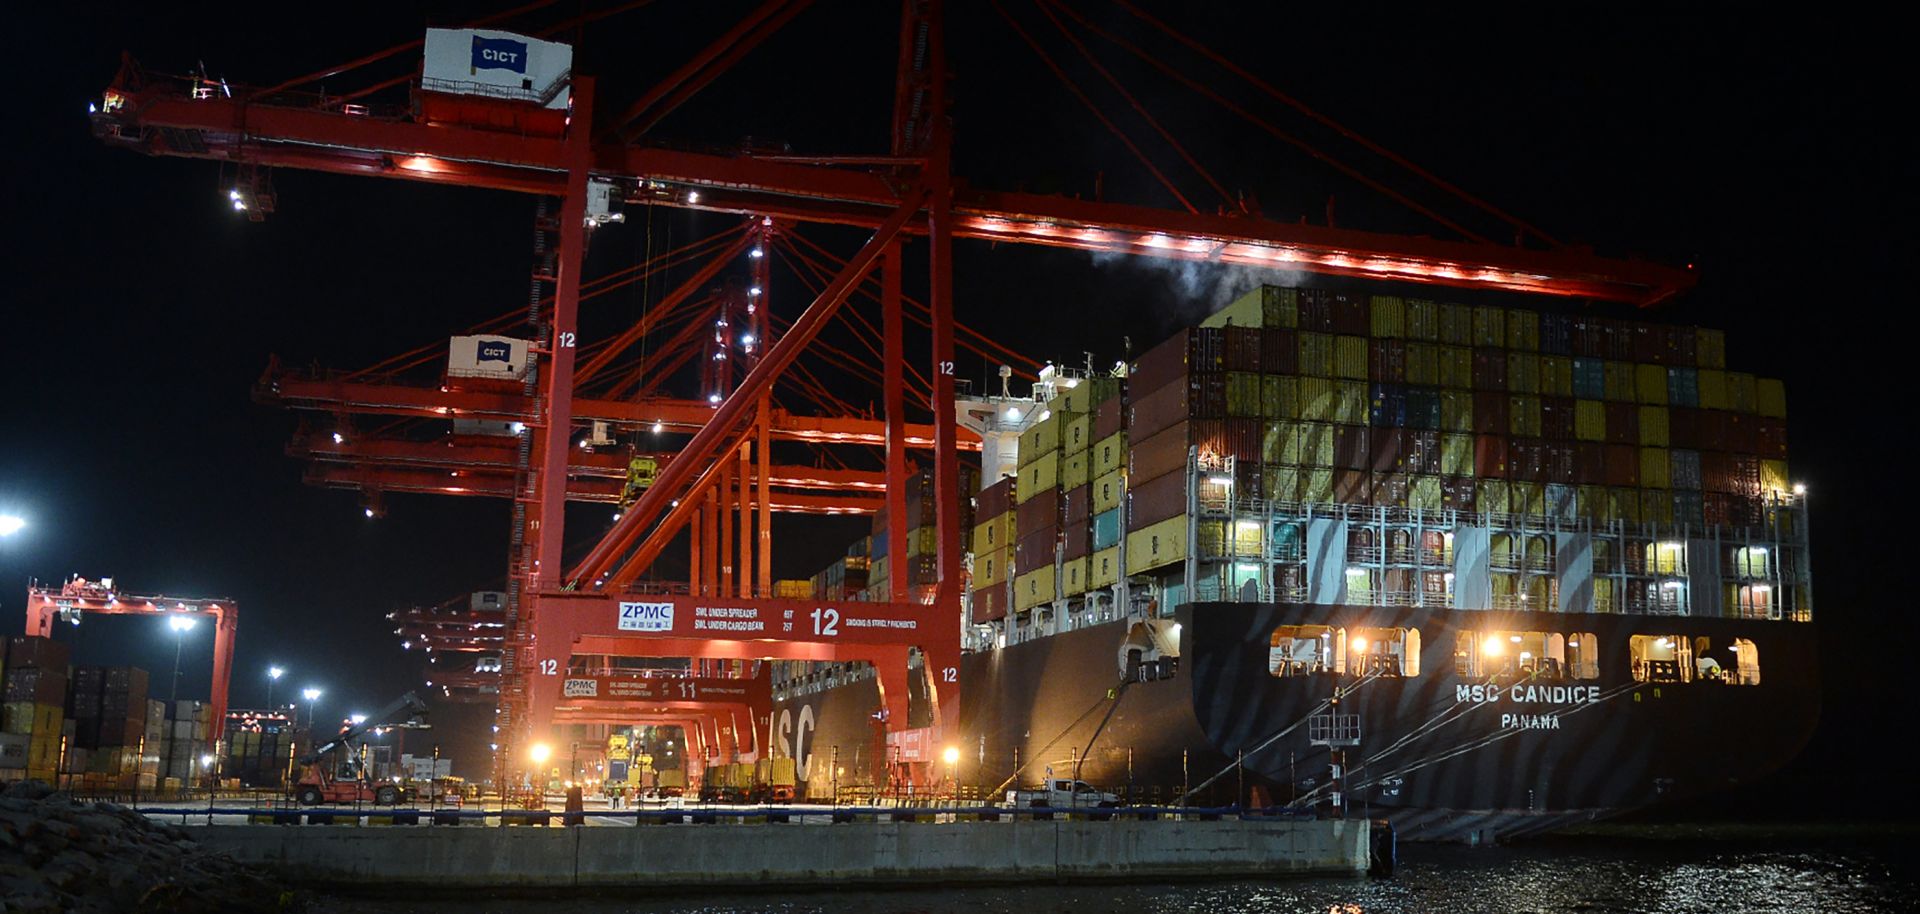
[1389,406]
[1423,408]
[1106,529]
[1683,387]
[1556,334]
[1590,379]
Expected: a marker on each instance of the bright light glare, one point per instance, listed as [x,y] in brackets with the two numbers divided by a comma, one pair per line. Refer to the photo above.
[952,755]
[339,438]
[756,253]
[274,672]
[1493,646]
[1799,488]
[357,719]
[754,291]
[713,398]
[180,623]
[1013,413]
[658,428]
[540,753]
[11,524]
[311,694]
[747,339]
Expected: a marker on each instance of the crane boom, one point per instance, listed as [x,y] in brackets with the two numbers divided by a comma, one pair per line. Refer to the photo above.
[410,703]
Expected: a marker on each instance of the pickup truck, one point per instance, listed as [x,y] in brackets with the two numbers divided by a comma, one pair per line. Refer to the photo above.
[1062,793]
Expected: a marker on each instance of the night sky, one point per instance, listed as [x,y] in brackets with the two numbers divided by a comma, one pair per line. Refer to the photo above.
[142,310]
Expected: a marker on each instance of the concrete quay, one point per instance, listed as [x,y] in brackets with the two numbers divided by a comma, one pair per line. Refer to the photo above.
[874,853]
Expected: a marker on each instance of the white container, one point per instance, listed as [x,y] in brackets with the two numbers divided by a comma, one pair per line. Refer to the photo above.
[501,357]
[497,64]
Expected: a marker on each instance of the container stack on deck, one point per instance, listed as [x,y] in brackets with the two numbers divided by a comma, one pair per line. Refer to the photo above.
[260,747]
[923,567]
[188,732]
[109,707]
[1534,435]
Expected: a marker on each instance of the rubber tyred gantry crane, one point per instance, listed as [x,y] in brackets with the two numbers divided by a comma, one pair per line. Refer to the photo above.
[557,612]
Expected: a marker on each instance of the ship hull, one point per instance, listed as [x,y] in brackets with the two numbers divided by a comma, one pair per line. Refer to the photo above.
[1445,755]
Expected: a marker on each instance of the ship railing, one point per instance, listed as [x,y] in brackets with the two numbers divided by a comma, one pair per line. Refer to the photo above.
[1437,598]
[1539,563]
[1363,553]
[1397,597]
[1503,561]
[1402,555]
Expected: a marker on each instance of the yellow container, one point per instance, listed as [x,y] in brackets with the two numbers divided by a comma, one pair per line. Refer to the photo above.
[1493,496]
[1741,395]
[1074,470]
[1316,486]
[1423,320]
[1710,347]
[1713,389]
[1389,316]
[1075,435]
[1265,306]
[1655,471]
[1319,399]
[994,533]
[1350,357]
[1590,502]
[1456,367]
[1456,325]
[1316,444]
[1035,588]
[990,568]
[1456,410]
[1109,490]
[1528,499]
[1110,453]
[1556,376]
[1280,442]
[1037,477]
[1770,398]
[1425,494]
[1350,403]
[1073,576]
[1316,355]
[1523,371]
[1489,326]
[1650,384]
[1282,483]
[1244,395]
[1103,568]
[1656,506]
[1620,383]
[1042,438]
[1523,416]
[1157,545]
[1624,502]
[1774,479]
[1653,426]
[1456,455]
[1589,420]
[1280,396]
[1423,364]
[1523,330]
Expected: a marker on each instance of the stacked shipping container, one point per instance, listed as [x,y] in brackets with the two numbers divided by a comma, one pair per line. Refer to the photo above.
[33,717]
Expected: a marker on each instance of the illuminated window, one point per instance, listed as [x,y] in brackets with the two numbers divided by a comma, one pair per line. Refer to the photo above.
[1661,658]
[1750,562]
[1384,651]
[1667,557]
[1505,654]
[1303,650]
[1583,656]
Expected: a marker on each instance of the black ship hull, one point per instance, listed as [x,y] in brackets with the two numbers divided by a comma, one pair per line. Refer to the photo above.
[1445,754]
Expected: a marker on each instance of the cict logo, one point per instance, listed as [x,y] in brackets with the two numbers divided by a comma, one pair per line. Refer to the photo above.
[494,351]
[499,54]
[646,617]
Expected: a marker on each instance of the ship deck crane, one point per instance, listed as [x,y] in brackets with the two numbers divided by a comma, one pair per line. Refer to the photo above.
[909,192]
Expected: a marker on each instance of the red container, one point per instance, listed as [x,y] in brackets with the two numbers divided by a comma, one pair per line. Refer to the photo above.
[1745,470]
[1457,492]
[1387,361]
[1390,489]
[1389,447]
[1350,449]
[993,500]
[1244,345]
[1588,339]
[1747,512]
[1740,433]
[1618,338]
[1716,472]
[1278,351]
[34,684]
[1489,369]
[34,651]
[1556,418]
[1716,509]
[1078,504]
[990,605]
[1649,343]
[1191,351]
[1424,454]
[1681,347]
[1242,439]
[1589,463]
[1156,500]
[1770,438]
[1352,316]
[1490,413]
[1035,549]
[1683,428]
[1527,460]
[1159,410]
[1623,423]
[1074,540]
[1159,455]
[1352,487]
[1042,510]
[1623,465]
[1490,456]
[1559,462]
[1316,310]
[1109,417]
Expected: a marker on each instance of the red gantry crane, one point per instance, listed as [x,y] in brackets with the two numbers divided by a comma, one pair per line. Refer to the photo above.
[548,136]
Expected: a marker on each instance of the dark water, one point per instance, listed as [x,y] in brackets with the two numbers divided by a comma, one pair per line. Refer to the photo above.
[1591,876]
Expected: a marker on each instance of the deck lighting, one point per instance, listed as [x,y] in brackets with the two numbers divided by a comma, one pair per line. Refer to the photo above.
[713,398]
[756,253]
[746,339]
[1013,413]
[693,196]
[658,427]
[754,291]
[1493,646]
[11,524]
[339,438]
[1799,488]
[952,755]
[1515,639]
[540,753]
[1360,644]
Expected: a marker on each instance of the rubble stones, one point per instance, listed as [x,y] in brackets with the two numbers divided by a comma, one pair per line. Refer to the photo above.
[60,855]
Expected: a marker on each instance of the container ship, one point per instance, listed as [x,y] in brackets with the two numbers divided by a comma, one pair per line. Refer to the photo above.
[1483,570]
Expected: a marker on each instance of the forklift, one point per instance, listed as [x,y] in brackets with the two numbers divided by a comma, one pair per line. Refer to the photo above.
[321,778]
